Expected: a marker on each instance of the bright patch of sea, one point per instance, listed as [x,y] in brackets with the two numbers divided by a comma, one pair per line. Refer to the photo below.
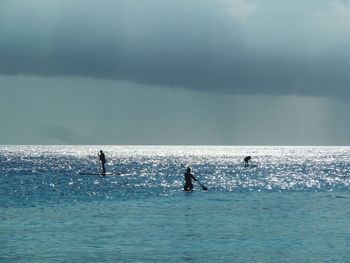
[291,205]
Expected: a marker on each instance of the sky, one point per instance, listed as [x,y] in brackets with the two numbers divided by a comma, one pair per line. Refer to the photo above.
[197,72]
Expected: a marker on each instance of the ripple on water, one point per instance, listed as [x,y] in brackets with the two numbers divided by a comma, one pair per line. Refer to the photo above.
[40,173]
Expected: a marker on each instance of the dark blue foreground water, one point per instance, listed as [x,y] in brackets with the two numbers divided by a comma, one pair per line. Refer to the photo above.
[294,206]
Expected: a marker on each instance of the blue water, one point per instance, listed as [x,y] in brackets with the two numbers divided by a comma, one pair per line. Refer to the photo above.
[292,206]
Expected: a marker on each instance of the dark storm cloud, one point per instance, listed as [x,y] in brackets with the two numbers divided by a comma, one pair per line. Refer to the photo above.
[230,46]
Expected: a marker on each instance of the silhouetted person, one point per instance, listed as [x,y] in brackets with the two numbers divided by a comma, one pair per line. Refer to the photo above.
[247,160]
[102,159]
[188,180]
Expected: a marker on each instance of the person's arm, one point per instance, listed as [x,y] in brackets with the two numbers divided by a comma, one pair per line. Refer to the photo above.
[193,177]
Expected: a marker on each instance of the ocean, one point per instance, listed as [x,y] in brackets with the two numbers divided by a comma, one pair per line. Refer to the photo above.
[292,204]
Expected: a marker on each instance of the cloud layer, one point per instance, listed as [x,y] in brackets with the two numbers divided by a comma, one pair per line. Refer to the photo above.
[225,46]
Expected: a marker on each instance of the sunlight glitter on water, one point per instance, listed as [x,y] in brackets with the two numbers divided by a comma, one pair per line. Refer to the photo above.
[158,170]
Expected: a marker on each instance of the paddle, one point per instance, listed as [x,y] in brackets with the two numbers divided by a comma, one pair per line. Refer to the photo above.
[203,186]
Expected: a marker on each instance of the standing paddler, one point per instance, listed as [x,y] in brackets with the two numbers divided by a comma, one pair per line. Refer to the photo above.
[188,187]
[102,158]
[188,180]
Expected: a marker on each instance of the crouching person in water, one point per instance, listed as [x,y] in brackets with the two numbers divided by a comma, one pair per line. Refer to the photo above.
[247,160]
[188,180]
[102,159]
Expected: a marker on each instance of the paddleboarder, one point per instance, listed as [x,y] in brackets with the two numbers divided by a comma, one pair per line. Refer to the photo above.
[247,160]
[188,180]
[102,158]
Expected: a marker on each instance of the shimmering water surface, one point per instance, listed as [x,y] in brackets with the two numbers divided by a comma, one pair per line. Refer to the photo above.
[291,206]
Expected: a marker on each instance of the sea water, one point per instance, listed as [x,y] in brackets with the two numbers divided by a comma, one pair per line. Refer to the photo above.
[292,204]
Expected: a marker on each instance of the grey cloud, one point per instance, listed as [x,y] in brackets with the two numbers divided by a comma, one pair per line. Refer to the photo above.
[279,48]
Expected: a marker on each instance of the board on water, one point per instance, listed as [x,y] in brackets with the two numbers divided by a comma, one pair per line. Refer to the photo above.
[250,166]
[106,174]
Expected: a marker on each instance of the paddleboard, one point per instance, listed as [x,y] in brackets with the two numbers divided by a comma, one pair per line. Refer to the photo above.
[83,173]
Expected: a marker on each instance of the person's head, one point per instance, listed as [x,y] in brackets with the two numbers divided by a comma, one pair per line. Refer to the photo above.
[188,169]
[100,151]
